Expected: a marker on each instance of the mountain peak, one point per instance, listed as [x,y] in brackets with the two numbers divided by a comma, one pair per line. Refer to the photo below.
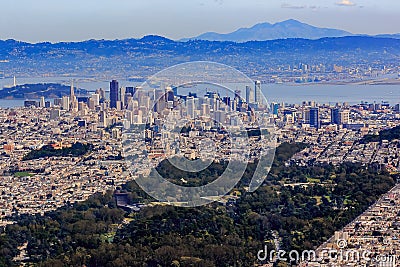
[290,28]
[290,21]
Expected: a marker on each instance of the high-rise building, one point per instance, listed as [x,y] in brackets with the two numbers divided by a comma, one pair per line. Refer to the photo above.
[114,94]
[314,118]
[257,92]
[249,95]
[73,102]
[335,116]
[344,117]
[191,108]
[91,103]
[103,119]
[275,108]
[121,97]
[72,91]
[159,100]
[42,103]
[340,117]
[169,93]
[65,102]
[96,99]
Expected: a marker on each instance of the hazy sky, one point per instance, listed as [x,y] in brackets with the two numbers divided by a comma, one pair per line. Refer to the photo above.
[73,20]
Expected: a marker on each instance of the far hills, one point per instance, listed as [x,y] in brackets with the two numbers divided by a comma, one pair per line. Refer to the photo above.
[266,31]
[281,30]
[140,58]
[35,91]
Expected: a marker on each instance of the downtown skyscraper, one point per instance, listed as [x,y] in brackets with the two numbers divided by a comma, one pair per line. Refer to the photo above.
[114,93]
[257,93]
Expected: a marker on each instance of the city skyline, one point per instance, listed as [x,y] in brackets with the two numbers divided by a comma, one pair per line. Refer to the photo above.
[275,129]
[92,20]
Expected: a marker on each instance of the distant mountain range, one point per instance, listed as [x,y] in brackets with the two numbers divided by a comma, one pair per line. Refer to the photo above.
[282,30]
[136,59]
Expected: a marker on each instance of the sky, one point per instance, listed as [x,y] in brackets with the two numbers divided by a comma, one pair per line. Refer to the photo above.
[76,20]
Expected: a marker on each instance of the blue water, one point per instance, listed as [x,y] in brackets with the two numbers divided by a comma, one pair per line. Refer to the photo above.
[353,94]
[292,94]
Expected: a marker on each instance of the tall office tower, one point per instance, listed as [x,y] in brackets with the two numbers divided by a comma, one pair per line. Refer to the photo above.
[169,94]
[249,95]
[213,96]
[65,102]
[103,118]
[340,117]
[314,118]
[42,103]
[91,103]
[257,93]
[159,101]
[306,116]
[72,91]
[114,94]
[72,98]
[96,99]
[129,92]
[275,108]
[121,97]
[335,116]
[190,106]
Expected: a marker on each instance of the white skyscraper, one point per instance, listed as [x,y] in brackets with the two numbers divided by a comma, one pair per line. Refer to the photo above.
[72,98]
[96,99]
[122,93]
[65,102]
[42,103]
[249,95]
[103,118]
[258,96]
[191,108]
